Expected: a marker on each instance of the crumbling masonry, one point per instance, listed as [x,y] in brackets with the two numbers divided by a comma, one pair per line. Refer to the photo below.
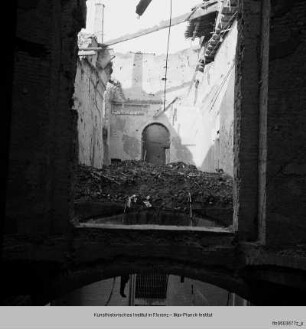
[267,248]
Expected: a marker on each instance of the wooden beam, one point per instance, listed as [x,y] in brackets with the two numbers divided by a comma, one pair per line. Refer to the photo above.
[197,13]
[142,6]
[163,110]
[161,26]
[201,11]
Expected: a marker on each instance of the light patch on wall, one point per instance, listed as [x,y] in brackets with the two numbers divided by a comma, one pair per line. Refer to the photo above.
[131,146]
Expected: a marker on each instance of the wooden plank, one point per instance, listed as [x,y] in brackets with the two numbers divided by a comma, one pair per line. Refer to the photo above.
[161,26]
[199,12]
[142,6]
[161,111]
[203,11]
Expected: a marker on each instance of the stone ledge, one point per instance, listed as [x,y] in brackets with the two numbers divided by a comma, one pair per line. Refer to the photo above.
[205,230]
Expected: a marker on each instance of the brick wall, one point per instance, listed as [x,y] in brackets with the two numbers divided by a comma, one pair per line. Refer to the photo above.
[286,122]
[42,143]
[246,119]
[270,172]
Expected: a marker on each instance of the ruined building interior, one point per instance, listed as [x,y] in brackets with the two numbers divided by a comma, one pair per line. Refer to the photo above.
[140,177]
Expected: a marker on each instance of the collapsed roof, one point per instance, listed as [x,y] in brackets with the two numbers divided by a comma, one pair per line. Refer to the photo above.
[202,20]
[211,20]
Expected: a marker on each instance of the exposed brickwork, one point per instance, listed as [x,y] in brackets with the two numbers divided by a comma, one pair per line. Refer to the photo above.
[88,101]
[263,104]
[42,149]
[286,122]
[270,119]
[247,119]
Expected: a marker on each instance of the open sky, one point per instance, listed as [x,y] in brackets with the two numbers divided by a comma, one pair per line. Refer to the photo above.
[120,18]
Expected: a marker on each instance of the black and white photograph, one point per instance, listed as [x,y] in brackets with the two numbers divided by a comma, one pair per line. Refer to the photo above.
[154,155]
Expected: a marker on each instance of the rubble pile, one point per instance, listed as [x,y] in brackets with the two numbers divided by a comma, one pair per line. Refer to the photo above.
[175,186]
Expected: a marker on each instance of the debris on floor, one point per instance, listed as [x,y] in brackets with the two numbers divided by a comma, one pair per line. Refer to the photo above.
[140,185]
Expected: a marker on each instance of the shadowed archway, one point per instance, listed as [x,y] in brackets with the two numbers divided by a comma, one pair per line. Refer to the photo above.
[156,142]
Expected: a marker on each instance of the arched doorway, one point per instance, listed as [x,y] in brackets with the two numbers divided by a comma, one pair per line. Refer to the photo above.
[156,142]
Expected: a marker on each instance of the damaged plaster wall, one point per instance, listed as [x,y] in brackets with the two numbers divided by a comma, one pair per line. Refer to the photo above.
[200,121]
[88,101]
[93,73]
[205,117]
[141,77]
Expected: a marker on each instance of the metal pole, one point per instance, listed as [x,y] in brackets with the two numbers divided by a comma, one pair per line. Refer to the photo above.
[102,38]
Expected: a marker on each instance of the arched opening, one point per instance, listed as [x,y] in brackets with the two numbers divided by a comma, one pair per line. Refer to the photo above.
[156,144]
[149,289]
